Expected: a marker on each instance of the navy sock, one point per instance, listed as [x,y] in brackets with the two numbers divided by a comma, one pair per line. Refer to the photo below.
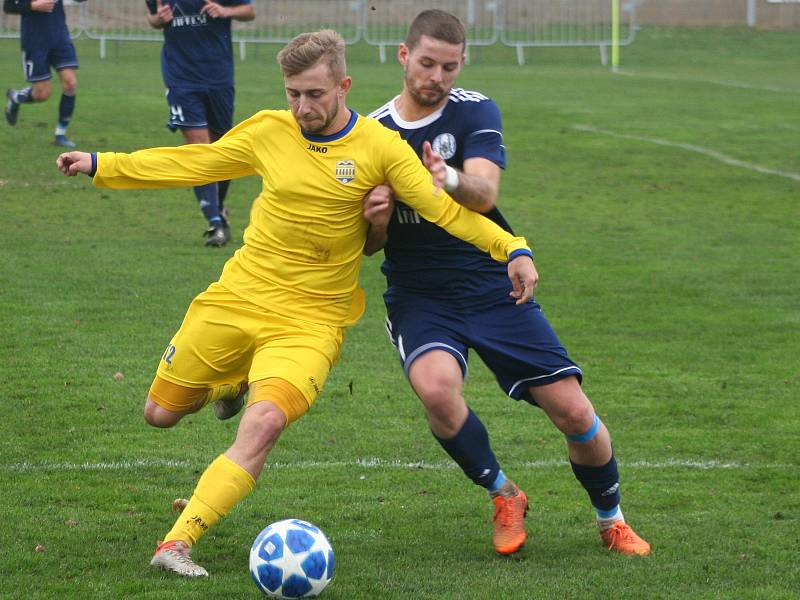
[65,109]
[470,449]
[601,483]
[207,196]
[223,192]
[23,96]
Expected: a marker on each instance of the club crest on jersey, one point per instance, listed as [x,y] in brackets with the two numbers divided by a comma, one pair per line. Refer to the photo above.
[444,145]
[345,170]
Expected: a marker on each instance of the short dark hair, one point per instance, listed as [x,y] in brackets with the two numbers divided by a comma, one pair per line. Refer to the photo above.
[307,49]
[437,24]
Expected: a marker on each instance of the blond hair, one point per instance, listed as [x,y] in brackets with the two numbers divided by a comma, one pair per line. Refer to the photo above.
[307,49]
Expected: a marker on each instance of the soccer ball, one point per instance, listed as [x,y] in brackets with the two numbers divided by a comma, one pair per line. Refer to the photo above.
[291,559]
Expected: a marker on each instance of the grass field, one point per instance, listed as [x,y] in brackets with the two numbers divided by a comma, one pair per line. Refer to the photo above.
[664,207]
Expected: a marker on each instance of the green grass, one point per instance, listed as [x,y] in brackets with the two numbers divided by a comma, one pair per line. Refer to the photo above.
[670,276]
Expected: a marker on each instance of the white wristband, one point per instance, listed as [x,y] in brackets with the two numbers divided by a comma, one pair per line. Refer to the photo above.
[450,178]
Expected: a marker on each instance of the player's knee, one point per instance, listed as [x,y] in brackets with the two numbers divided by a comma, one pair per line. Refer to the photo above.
[157,416]
[270,425]
[41,94]
[435,394]
[578,419]
[69,87]
[580,424]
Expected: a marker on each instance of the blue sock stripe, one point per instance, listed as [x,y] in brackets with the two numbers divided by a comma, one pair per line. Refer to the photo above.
[607,514]
[498,481]
[588,435]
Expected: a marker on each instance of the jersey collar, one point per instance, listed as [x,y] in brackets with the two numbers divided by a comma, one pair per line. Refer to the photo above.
[423,122]
[334,136]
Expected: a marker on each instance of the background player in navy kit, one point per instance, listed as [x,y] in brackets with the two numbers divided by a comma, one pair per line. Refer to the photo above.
[45,41]
[197,66]
[442,296]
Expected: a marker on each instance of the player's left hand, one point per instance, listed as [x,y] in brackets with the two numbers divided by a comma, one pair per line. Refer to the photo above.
[214,10]
[378,206]
[524,277]
[434,162]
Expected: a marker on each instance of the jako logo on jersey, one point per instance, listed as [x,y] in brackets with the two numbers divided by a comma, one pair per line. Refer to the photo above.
[345,170]
[315,148]
[444,145]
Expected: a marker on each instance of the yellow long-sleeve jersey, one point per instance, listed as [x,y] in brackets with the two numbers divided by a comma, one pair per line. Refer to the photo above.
[302,248]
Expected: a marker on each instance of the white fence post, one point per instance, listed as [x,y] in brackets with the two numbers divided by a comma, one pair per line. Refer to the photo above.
[752,10]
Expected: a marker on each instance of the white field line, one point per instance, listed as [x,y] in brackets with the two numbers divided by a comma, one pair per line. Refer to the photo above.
[728,160]
[376,463]
[733,84]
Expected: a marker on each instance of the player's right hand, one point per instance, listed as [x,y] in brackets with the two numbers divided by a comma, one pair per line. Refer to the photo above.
[72,163]
[434,162]
[46,6]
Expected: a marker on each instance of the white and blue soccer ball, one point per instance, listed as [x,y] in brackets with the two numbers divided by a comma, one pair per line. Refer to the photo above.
[291,559]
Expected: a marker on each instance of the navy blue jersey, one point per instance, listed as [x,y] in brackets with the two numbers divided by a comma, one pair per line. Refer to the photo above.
[41,29]
[197,51]
[422,258]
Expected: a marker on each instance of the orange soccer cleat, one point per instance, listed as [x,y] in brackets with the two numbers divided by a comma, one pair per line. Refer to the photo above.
[621,538]
[509,521]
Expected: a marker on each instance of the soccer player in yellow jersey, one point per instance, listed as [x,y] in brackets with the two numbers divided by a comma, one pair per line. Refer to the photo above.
[275,320]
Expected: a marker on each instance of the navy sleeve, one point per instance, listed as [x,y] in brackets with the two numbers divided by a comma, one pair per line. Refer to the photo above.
[16,7]
[152,6]
[483,137]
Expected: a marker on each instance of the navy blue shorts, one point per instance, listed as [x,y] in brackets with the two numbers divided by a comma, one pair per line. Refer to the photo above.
[210,109]
[38,59]
[515,342]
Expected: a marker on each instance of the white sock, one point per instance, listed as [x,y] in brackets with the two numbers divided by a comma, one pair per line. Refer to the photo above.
[606,522]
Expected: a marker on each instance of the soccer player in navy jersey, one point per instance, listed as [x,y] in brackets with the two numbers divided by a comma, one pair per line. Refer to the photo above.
[445,297]
[197,67]
[46,44]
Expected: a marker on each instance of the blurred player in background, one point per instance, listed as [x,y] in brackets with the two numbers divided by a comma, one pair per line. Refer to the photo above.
[197,67]
[445,297]
[46,44]
[276,319]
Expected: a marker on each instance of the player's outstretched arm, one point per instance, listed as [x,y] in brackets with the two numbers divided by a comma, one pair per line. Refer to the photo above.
[523,276]
[72,163]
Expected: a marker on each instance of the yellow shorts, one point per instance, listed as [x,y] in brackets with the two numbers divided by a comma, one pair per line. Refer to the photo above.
[225,339]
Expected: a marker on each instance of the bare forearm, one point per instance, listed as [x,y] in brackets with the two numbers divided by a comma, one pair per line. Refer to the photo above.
[377,237]
[475,193]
